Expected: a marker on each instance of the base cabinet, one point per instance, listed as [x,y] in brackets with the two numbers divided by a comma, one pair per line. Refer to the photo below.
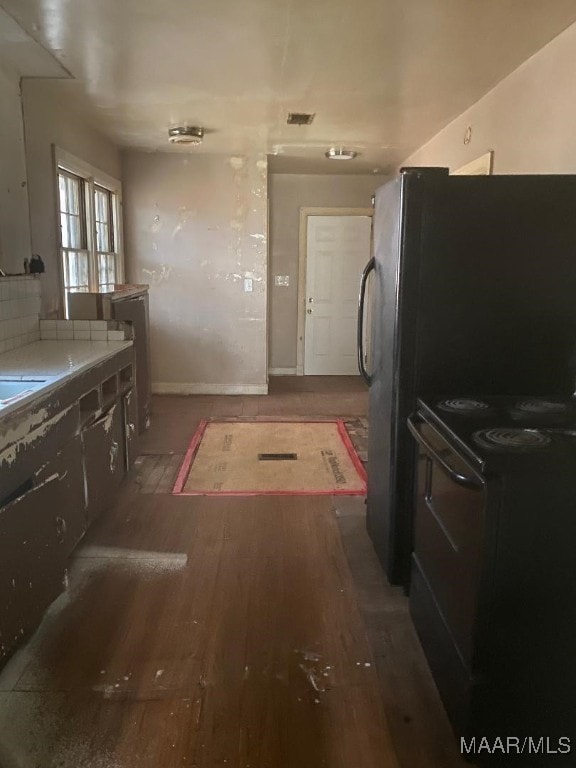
[55,481]
[103,444]
[33,556]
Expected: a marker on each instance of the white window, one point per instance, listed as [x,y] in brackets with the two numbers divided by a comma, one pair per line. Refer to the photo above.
[89,209]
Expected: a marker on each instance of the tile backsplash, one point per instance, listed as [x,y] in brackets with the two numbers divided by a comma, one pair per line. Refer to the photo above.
[84,330]
[19,311]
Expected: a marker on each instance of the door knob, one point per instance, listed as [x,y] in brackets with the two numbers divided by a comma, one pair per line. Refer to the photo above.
[310,300]
[309,311]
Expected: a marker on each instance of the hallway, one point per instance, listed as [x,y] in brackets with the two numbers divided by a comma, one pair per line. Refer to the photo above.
[253,632]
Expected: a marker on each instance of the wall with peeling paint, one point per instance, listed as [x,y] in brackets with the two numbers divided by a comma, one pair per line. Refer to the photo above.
[195,229]
[52,116]
[289,193]
[14,216]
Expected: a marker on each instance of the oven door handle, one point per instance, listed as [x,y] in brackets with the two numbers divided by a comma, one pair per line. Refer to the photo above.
[468,481]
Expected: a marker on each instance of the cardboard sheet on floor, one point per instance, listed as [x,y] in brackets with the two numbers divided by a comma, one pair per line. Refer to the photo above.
[285,457]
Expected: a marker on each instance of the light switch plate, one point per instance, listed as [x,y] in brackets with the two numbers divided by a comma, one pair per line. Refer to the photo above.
[247,285]
[282,281]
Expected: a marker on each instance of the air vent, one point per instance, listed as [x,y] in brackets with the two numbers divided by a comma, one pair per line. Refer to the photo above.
[300,118]
[277,456]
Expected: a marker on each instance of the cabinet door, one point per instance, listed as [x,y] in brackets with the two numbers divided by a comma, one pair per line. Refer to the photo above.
[71,517]
[130,411]
[104,461]
[135,311]
[32,560]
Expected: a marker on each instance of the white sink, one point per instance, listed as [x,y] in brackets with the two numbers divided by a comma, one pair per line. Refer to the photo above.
[10,391]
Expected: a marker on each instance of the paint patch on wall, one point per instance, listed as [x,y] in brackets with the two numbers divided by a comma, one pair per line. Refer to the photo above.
[237,163]
[184,214]
[158,276]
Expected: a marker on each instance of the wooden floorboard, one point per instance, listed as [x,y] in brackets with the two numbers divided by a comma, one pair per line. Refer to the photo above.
[235,632]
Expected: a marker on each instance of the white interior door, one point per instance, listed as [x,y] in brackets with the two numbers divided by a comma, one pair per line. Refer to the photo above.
[338,248]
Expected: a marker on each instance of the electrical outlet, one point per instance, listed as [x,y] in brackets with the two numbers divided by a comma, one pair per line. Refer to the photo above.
[282,281]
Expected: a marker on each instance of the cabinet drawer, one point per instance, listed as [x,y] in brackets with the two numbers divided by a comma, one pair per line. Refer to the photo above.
[452,676]
[19,460]
[449,540]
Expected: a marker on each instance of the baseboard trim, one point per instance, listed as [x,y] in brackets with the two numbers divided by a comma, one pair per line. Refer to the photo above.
[188,388]
[282,371]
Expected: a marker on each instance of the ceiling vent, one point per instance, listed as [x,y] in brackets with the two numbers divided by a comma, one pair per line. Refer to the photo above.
[185,135]
[300,118]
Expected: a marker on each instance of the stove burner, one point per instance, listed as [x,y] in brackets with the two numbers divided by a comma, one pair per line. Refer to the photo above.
[463,405]
[517,439]
[541,406]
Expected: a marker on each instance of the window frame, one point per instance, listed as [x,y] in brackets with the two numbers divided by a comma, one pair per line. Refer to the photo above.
[83,246]
[112,238]
[93,179]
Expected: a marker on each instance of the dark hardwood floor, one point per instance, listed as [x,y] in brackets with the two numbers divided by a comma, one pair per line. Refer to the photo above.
[235,632]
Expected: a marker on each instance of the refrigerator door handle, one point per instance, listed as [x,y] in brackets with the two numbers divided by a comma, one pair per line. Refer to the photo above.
[360,343]
[453,474]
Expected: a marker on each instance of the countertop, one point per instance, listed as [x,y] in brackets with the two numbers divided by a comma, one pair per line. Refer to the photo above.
[52,361]
[126,291]
[119,292]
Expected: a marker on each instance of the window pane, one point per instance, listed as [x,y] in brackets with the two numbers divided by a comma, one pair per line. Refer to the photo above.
[102,237]
[69,193]
[76,269]
[75,232]
[62,191]
[65,235]
[106,269]
[71,232]
[101,205]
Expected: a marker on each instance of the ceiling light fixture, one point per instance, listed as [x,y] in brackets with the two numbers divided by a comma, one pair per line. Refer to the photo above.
[185,134]
[334,153]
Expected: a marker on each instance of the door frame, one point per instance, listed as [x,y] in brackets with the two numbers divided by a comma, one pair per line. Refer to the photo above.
[305,212]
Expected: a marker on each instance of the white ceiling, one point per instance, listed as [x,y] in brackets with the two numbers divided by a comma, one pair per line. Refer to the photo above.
[23,54]
[382,76]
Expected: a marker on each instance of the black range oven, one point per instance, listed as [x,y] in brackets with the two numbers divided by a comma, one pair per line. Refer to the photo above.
[493,593]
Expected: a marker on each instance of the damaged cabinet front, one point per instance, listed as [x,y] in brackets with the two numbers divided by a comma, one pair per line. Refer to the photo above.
[62,459]
[33,559]
[130,413]
[70,515]
[104,461]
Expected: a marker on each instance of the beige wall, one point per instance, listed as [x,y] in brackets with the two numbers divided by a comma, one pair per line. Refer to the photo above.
[195,228]
[529,119]
[289,193]
[51,116]
[14,214]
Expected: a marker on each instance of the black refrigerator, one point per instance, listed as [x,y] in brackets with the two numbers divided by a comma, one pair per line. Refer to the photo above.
[473,291]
